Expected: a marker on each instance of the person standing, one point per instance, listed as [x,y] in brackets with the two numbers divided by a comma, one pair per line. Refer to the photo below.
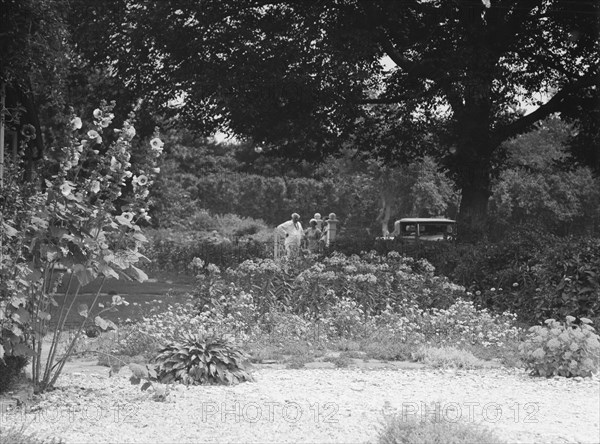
[317,217]
[313,237]
[292,229]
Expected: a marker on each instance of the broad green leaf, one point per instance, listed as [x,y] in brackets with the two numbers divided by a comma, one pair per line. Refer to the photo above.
[21,316]
[22,349]
[44,316]
[34,276]
[134,380]
[107,271]
[84,275]
[123,221]
[146,385]
[140,237]
[8,230]
[138,274]
[102,323]
[83,310]
[17,301]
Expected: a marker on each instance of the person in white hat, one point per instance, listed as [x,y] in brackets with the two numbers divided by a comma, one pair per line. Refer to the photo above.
[292,230]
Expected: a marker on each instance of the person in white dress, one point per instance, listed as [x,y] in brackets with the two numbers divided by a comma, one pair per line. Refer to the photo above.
[292,230]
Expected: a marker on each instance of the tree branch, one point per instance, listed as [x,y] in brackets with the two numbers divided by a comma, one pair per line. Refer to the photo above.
[555,104]
[403,62]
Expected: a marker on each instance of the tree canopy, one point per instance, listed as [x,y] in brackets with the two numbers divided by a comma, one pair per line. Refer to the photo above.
[395,79]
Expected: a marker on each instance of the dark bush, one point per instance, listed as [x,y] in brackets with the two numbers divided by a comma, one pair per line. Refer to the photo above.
[529,272]
[10,369]
[171,250]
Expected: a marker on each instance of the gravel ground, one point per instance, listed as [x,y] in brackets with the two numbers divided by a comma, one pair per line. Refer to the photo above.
[313,406]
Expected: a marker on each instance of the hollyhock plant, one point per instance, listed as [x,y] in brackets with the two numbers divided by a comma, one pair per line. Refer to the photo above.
[82,223]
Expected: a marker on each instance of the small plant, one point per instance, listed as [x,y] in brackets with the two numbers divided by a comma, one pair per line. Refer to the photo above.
[388,349]
[402,429]
[341,361]
[18,435]
[563,349]
[297,362]
[447,357]
[148,373]
[202,360]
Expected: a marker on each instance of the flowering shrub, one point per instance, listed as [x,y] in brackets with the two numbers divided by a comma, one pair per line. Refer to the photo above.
[465,323]
[373,282]
[73,223]
[345,319]
[563,349]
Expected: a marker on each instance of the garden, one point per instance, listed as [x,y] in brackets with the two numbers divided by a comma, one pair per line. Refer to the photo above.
[149,150]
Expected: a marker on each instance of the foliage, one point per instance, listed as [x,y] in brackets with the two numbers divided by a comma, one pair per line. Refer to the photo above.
[18,435]
[10,369]
[74,223]
[447,357]
[314,80]
[174,250]
[338,297]
[127,344]
[464,323]
[541,186]
[34,41]
[562,348]
[148,373]
[528,272]
[405,429]
[569,280]
[197,360]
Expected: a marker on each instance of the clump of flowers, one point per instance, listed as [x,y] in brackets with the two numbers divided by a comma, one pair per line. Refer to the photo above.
[464,323]
[345,319]
[562,348]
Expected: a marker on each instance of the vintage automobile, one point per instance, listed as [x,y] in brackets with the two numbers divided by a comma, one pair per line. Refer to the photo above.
[424,230]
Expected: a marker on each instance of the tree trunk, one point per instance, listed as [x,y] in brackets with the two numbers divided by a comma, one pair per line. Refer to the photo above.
[473,168]
[472,217]
[385,213]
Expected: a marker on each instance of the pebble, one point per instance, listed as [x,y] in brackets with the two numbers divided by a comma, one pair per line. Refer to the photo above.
[335,405]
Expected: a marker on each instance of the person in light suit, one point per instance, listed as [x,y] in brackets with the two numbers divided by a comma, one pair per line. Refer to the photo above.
[292,229]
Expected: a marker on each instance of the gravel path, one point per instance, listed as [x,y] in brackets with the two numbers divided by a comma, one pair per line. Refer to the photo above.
[314,406]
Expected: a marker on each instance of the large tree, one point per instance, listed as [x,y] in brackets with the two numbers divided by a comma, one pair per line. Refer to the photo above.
[306,76]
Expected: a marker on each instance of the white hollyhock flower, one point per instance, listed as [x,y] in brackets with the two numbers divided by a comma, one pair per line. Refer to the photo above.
[66,189]
[76,123]
[95,186]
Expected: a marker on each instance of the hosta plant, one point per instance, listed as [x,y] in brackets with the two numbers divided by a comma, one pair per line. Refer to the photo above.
[196,360]
[563,349]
